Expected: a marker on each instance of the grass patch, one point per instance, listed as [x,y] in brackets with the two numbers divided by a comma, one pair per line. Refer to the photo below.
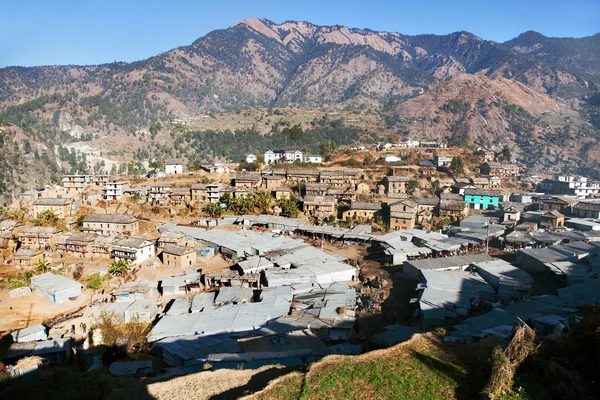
[423,368]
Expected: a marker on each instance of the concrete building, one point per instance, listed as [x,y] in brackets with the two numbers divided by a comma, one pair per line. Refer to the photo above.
[56,288]
[173,167]
[480,199]
[136,250]
[314,158]
[178,256]
[442,161]
[75,183]
[60,207]
[250,158]
[115,190]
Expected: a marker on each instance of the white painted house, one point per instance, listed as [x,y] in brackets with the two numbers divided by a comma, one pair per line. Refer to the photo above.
[250,158]
[272,156]
[173,167]
[314,158]
[136,250]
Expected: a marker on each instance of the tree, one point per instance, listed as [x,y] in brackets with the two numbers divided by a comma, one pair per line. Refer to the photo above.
[412,185]
[46,218]
[289,206]
[505,155]
[456,166]
[120,268]
[41,267]
[263,201]
[213,210]
[295,133]
[435,185]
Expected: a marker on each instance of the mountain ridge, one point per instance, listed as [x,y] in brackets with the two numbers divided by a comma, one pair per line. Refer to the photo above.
[257,63]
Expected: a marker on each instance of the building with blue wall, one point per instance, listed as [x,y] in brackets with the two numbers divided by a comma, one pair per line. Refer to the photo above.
[481,199]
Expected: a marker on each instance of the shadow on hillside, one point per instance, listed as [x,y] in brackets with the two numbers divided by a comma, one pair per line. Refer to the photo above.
[256,383]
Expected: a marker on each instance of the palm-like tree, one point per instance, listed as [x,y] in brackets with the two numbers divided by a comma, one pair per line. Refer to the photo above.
[42,267]
[263,201]
[120,268]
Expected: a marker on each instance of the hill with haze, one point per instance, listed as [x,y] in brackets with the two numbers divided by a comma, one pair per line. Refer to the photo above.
[538,95]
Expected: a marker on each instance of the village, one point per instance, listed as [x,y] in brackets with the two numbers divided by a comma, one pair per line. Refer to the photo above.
[183,271]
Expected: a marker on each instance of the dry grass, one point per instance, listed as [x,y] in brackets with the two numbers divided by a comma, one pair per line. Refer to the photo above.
[27,363]
[505,362]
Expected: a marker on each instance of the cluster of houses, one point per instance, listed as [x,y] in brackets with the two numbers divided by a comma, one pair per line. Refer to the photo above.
[101,236]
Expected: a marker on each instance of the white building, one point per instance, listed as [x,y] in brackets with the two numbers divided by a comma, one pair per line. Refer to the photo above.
[136,250]
[250,158]
[114,190]
[56,288]
[272,156]
[410,143]
[173,167]
[314,158]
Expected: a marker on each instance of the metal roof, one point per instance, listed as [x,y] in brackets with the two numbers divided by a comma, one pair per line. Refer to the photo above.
[37,348]
[54,283]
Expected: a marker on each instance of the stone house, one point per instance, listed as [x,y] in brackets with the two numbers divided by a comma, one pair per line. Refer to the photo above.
[248,181]
[395,184]
[402,215]
[552,219]
[363,211]
[42,237]
[8,230]
[79,244]
[586,210]
[110,224]
[180,196]
[499,169]
[453,206]
[178,256]
[319,206]
[315,189]
[60,207]
[271,182]
[27,258]
[303,175]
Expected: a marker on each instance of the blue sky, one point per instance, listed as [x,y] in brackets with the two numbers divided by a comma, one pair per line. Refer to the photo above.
[44,32]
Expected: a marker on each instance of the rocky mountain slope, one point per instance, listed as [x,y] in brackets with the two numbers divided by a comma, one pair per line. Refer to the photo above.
[257,63]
